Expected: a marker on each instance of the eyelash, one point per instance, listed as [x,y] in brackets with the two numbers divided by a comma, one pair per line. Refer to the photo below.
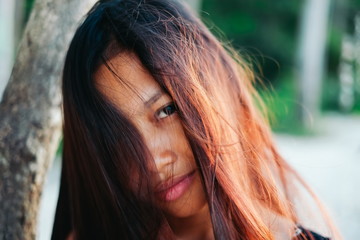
[166,111]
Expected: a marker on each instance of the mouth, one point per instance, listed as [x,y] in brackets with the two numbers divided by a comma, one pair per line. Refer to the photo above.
[173,189]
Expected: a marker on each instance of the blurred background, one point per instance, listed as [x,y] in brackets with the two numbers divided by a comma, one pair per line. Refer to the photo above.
[306,54]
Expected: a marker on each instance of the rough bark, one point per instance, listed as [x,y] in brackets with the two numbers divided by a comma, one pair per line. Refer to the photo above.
[30,113]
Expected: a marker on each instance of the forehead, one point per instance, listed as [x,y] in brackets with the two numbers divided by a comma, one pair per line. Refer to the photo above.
[126,82]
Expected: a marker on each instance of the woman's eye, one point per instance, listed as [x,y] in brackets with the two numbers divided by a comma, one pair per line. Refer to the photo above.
[166,111]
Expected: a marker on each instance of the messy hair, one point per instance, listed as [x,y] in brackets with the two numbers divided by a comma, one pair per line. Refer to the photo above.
[241,171]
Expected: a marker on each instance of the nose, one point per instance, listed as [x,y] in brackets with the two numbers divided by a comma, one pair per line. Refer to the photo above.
[162,148]
[164,163]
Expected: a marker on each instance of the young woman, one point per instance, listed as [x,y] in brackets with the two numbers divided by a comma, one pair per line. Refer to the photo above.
[162,137]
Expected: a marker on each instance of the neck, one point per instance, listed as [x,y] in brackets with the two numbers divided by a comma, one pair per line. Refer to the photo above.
[198,226]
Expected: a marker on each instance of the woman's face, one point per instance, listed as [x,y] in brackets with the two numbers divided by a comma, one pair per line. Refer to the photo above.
[175,177]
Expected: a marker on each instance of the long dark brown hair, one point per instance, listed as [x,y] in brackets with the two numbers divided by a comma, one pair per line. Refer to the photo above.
[241,170]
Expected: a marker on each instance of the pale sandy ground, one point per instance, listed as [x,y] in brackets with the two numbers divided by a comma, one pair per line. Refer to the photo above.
[329,161]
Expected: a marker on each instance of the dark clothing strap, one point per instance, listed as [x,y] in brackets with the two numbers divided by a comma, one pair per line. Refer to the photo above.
[304,234]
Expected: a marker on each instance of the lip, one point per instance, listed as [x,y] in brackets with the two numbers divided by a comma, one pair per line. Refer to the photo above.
[174,188]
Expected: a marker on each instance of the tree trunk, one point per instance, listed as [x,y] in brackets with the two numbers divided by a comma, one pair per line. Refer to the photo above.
[311,59]
[30,113]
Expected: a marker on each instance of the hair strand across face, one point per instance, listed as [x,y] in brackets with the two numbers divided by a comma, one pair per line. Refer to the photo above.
[244,177]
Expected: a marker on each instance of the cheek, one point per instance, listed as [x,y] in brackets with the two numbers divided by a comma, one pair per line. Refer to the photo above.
[139,180]
[180,141]
[134,179]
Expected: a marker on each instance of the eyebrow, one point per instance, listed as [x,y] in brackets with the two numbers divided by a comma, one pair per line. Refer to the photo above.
[153,99]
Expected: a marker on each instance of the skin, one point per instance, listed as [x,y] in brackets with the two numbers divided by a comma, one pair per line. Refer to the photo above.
[153,113]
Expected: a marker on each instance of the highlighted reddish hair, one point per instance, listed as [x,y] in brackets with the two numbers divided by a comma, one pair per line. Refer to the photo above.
[244,176]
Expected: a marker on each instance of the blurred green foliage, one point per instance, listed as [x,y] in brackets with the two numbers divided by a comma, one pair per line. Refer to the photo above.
[28,6]
[268,32]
